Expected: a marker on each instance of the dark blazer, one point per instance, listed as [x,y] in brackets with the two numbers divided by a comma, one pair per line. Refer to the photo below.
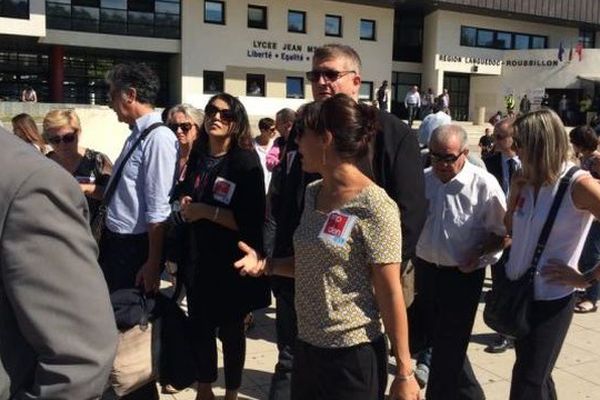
[398,169]
[493,164]
[57,329]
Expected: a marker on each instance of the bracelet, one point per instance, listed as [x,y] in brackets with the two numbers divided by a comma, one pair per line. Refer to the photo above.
[216,215]
[406,377]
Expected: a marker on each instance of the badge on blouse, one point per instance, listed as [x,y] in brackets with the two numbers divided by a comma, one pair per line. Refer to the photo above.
[223,190]
[337,228]
[290,156]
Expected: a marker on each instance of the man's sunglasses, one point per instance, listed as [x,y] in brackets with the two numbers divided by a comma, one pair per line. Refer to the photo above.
[68,138]
[330,75]
[184,126]
[225,115]
[444,158]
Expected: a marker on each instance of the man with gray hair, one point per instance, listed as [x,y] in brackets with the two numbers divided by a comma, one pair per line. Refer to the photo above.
[463,233]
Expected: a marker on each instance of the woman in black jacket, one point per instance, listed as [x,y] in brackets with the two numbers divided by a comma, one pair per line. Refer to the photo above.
[224,200]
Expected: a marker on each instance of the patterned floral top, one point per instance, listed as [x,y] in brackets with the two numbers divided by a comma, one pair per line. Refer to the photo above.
[335,302]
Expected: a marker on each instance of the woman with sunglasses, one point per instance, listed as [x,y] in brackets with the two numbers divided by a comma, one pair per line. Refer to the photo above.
[346,264]
[24,127]
[91,168]
[224,202]
[543,148]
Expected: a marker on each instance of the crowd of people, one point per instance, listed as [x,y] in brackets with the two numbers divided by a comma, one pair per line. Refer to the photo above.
[367,253]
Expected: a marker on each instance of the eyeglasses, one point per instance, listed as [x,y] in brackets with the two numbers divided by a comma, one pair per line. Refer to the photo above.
[329,75]
[225,115]
[445,158]
[68,138]
[184,126]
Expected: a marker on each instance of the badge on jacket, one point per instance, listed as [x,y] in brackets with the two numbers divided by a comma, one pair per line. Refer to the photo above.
[223,190]
[337,228]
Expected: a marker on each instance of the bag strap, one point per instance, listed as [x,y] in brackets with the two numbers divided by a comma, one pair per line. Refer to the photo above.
[543,239]
[112,186]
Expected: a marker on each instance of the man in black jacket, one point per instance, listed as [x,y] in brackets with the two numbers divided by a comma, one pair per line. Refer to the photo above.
[395,166]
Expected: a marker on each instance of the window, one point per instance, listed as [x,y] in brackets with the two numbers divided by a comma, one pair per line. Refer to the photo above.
[154,18]
[408,36]
[14,9]
[296,21]
[214,12]
[257,17]
[476,37]
[255,85]
[333,25]
[213,82]
[367,29]
[365,92]
[587,38]
[294,87]
[538,42]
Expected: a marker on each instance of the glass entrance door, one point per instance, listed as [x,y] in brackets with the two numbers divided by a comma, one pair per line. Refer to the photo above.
[458,86]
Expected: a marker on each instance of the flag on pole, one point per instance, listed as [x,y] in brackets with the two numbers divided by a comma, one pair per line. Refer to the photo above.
[561,51]
[571,53]
[579,50]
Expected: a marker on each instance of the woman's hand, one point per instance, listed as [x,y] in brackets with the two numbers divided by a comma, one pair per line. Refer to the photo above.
[556,271]
[250,264]
[192,211]
[402,389]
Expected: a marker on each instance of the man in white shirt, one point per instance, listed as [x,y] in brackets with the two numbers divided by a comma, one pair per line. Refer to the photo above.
[463,233]
[412,102]
[431,122]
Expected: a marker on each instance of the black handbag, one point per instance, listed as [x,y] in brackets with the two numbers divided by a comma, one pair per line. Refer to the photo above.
[508,305]
[97,224]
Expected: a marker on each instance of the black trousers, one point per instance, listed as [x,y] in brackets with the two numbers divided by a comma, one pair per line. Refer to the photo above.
[232,336]
[121,257]
[351,373]
[538,351]
[287,332]
[449,301]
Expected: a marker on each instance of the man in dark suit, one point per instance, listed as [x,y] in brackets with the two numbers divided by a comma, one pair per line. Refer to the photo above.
[57,330]
[502,164]
[395,166]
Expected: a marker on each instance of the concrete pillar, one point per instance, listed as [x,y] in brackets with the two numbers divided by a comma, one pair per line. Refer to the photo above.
[57,74]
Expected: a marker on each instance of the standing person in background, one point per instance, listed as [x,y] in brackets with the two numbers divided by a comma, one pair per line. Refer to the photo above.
[524,105]
[262,145]
[24,127]
[543,147]
[444,100]
[504,164]
[58,335]
[412,103]
[224,202]
[585,144]
[383,96]
[284,121]
[92,169]
[131,247]
[563,109]
[486,143]
[510,102]
[346,265]
[545,103]
[427,102]
[28,95]
[185,121]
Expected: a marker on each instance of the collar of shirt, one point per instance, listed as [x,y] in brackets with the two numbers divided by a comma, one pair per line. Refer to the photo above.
[145,121]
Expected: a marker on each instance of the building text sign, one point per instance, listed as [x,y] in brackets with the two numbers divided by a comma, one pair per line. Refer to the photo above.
[495,62]
[283,51]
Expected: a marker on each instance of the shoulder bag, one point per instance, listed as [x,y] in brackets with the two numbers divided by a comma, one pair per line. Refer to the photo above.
[508,304]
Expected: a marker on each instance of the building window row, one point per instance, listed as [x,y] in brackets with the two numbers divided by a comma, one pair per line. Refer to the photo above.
[154,18]
[14,9]
[214,13]
[491,39]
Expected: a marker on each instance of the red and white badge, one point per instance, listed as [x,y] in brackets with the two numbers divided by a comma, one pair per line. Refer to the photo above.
[223,190]
[337,228]
[290,157]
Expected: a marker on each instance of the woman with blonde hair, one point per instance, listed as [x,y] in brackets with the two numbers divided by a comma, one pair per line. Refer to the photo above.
[24,127]
[543,147]
[91,168]
[185,121]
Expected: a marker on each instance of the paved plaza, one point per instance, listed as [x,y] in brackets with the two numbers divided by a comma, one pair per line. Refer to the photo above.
[577,373]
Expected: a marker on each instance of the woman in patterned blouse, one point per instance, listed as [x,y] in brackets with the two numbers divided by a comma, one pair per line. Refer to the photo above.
[346,264]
